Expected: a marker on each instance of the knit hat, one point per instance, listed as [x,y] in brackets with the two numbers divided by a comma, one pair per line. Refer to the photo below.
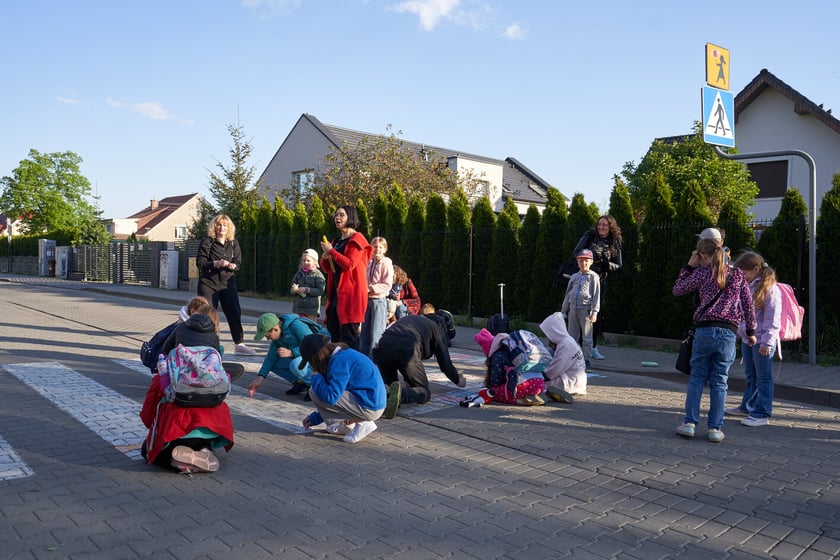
[265,323]
[710,233]
[585,254]
[313,254]
[484,338]
[310,345]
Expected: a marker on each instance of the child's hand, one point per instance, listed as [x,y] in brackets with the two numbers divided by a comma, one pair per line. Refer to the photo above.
[593,317]
[254,385]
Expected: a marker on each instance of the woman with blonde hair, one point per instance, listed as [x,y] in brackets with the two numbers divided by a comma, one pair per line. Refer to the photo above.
[219,257]
[757,404]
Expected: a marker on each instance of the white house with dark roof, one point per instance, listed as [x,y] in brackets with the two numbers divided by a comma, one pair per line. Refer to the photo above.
[771,116]
[167,219]
[310,141]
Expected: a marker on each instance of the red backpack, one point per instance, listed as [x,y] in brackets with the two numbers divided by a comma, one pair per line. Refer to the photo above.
[793,314]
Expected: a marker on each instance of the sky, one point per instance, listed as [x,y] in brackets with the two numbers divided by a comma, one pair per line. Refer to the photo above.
[144,91]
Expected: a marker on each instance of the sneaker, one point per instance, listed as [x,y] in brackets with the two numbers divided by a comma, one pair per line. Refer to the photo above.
[588,368]
[559,395]
[686,430]
[243,350]
[715,435]
[394,396]
[340,428]
[531,400]
[360,431]
[201,461]
[596,355]
[753,421]
[735,411]
[297,388]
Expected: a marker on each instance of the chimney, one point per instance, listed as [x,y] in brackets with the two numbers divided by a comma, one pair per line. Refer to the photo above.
[153,204]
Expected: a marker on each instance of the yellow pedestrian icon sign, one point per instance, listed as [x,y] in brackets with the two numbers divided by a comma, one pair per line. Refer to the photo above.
[717,66]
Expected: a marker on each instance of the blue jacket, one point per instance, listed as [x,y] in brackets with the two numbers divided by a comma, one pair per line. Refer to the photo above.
[351,371]
[292,332]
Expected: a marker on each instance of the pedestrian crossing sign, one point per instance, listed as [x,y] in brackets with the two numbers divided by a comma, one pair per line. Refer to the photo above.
[718,117]
[717,66]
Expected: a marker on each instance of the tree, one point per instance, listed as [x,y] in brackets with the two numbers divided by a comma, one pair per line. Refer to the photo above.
[434,230]
[828,268]
[528,234]
[395,215]
[784,244]
[48,192]
[412,238]
[682,160]
[619,315]
[484,222]
[233,188]
[581,220]
[734,222]
[503,263]
[543,299]
[371,165]
[456,295]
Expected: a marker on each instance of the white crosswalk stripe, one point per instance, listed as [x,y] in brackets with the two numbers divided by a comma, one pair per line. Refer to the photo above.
[11,464]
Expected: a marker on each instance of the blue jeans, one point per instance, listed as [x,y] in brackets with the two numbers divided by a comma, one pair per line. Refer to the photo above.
[711,356]
[287,368]
[758,373]
[376,317]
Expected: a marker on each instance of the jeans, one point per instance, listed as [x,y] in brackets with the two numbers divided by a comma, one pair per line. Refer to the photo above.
[711,356]
[376,318]
[758,372]
[287,368]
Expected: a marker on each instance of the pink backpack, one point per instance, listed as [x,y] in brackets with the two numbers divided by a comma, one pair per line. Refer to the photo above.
[793,314]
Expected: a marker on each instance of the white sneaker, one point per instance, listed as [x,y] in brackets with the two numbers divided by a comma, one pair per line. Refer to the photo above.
[753,421]
[715,435]
[340,428]
[243,350]
[734,411]
[360,431]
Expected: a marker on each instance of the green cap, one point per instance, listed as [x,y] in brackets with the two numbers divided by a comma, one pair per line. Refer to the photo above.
[265,323]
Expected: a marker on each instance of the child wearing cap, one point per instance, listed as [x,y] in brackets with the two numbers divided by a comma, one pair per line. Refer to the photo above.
[346,388]
[582,303]
[308,286]
[285,332]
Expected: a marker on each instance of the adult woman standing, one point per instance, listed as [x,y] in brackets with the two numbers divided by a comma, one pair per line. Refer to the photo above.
[725,301]
[345,261]
[604,240]
[219,257]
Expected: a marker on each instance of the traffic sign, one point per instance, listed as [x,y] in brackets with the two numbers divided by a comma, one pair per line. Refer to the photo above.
[718,117]
[717,66]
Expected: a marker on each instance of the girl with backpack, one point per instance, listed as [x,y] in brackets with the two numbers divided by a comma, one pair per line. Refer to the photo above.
[757,403]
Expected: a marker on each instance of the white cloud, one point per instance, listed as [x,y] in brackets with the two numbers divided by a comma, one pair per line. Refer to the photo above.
[430,12]
[514,31]
[148,109]
[66,100]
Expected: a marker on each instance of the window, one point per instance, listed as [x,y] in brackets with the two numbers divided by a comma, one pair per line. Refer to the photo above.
[482,188]
[302,181]
[180,232]
[771,177]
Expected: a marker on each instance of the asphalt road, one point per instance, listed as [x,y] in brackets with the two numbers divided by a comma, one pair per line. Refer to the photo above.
[603,478]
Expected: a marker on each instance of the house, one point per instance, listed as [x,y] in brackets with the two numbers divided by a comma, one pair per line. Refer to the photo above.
[303,151]
[772,116]
[167,219]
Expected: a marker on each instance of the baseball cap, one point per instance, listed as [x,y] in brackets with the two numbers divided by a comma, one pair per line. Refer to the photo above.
[265,323]
[585,254]
[310,345]
[710,233]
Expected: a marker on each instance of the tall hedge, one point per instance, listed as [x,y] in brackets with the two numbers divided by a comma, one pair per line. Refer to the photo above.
[431,270]
[483,221]
[456,259]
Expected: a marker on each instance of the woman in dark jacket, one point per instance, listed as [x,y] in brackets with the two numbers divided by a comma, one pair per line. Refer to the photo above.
[604,240]
[219,257]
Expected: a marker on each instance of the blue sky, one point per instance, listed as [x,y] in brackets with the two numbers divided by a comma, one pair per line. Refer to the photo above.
[144,91]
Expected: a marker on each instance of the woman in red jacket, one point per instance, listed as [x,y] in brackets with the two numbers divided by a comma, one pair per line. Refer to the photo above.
[345,261]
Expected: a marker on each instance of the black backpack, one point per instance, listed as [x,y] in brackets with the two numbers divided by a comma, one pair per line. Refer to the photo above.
[149,351]
[498,323]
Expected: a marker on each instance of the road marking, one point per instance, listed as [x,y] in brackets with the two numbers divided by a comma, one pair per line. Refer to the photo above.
[11,464]
[108,414]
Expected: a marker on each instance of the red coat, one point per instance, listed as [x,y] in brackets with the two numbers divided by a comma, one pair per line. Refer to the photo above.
[352,295]
[170,421]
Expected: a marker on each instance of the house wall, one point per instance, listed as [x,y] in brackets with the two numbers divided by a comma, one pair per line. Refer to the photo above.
[304,148]
[482,171]
[769,123]
[121,227]
[183,216]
